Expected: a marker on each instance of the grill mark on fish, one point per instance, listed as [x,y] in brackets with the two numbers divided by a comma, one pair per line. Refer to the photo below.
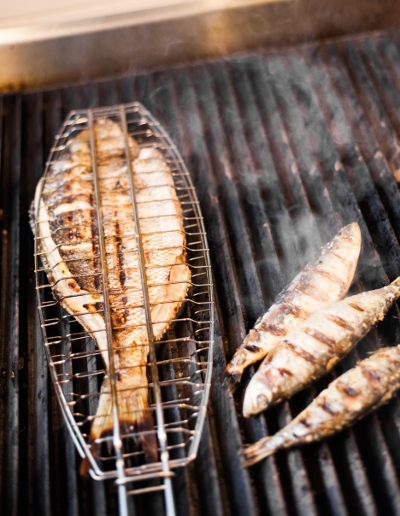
[339,321]
[120,256]
[350,392]
[370,375]
[290,308]
[325,406]
[329,275]
[317,335]
[73,285]
[122,278]
[252,348]
[305,423]
[312,291]
[118,240]
[284,372]
[272,328]
[284,309]
[356,306]
[338,255]
[94,307]
[254,336]
[299,351]
[119,320]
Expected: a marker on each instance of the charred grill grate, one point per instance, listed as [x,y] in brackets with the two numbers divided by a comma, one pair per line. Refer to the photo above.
[283,149]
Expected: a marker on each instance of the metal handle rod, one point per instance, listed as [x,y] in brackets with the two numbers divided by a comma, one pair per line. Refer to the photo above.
[123,506]
[162,436]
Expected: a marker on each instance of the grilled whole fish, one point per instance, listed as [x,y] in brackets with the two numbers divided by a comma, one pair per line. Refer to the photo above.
[349,398]
[315,346]
[67,231]
[322,282]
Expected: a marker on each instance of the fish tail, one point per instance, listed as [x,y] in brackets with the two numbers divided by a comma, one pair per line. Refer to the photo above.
[134,417]
[261,449]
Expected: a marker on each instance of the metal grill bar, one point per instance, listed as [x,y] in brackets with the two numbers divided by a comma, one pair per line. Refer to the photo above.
[149,326]
[123,507]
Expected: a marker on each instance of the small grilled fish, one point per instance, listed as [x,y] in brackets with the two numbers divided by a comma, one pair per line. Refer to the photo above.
[314,347]
[67,231]
[349,398]
[322,282]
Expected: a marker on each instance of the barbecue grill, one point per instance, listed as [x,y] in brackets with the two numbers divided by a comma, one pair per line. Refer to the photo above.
[283,149]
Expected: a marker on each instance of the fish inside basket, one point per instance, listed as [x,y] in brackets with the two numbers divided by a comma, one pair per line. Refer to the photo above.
[125,296]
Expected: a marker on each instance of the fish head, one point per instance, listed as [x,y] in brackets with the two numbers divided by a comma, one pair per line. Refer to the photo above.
[351,231]
[256,399]
[341,257]
[347,242]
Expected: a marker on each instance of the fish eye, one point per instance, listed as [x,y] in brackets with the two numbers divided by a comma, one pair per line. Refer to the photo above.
[262,399]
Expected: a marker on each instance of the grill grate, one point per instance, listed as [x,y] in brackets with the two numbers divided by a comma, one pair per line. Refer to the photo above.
[283,149]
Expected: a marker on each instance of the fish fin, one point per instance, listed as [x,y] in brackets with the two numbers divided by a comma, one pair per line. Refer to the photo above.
[259,451]
[230,380]
[134,417]
[32,217]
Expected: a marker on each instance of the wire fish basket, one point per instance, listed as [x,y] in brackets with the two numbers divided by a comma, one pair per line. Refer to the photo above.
[179,365]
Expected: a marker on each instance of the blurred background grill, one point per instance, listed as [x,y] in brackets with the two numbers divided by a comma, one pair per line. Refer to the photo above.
[284,148]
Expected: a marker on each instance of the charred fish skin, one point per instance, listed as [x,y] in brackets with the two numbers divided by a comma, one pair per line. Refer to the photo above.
[315,346]
[67,228]
[347,399]
[323,281]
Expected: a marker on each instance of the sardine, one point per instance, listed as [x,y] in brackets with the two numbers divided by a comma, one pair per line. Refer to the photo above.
[67,231]
[347,399]
[323,281]
[315,346]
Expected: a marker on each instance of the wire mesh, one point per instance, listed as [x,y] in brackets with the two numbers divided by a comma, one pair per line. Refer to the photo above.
[178,370]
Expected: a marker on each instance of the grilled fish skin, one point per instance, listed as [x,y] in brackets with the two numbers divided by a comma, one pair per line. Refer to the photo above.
[315,346]
[67,231]
[347,399]
[322,282]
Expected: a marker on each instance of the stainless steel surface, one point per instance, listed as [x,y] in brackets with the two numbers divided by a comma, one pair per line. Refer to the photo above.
[189,374]
[167,43]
